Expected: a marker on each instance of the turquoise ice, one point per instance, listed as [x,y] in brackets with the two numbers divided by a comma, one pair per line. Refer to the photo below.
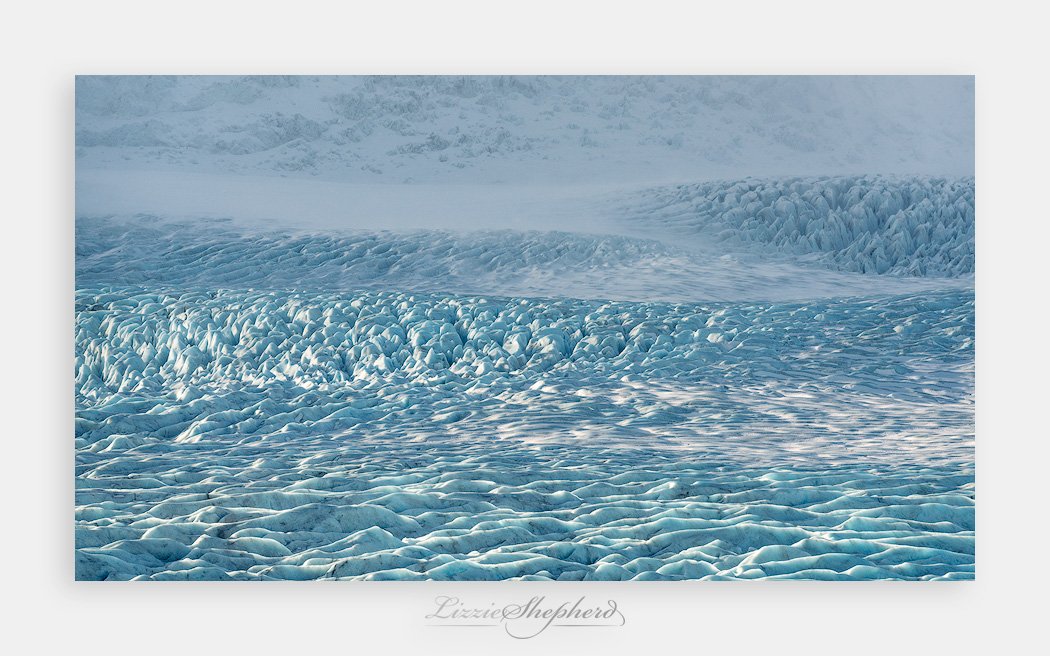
[456,328]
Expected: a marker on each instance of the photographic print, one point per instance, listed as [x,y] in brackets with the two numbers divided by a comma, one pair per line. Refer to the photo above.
[488,328]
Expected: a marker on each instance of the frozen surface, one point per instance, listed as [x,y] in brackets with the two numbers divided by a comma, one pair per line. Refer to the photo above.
[511,129]
[384,435]
[911,227]
[521,328]
[209,254]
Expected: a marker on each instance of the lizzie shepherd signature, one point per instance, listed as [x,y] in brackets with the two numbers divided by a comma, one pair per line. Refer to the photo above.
[526,620]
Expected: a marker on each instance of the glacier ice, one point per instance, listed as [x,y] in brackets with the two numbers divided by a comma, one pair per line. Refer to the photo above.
[239,434]
[911,227]
[527,263]
[490,328]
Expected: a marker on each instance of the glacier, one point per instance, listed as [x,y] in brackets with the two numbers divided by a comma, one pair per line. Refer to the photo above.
[530,263]
[871,224]
[511,328]
[380,435]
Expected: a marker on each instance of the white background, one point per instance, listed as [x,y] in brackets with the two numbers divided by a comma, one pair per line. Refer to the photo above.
[1002,43]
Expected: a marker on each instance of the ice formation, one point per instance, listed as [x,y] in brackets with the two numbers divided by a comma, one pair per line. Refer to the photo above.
[755,378]
[913,227]
[275,435]
[213,254]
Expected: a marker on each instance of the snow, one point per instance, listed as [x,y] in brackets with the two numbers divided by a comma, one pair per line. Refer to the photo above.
[611,328]
[535,129]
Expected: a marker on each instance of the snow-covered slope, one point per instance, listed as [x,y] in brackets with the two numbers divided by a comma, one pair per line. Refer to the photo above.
[509,129]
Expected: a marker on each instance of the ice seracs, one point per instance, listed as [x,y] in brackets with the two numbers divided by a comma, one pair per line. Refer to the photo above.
[869,224]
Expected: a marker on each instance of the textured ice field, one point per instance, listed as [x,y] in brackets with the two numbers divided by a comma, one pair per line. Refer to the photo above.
[384,435]
[749,240]
[571,353]
[870,224]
